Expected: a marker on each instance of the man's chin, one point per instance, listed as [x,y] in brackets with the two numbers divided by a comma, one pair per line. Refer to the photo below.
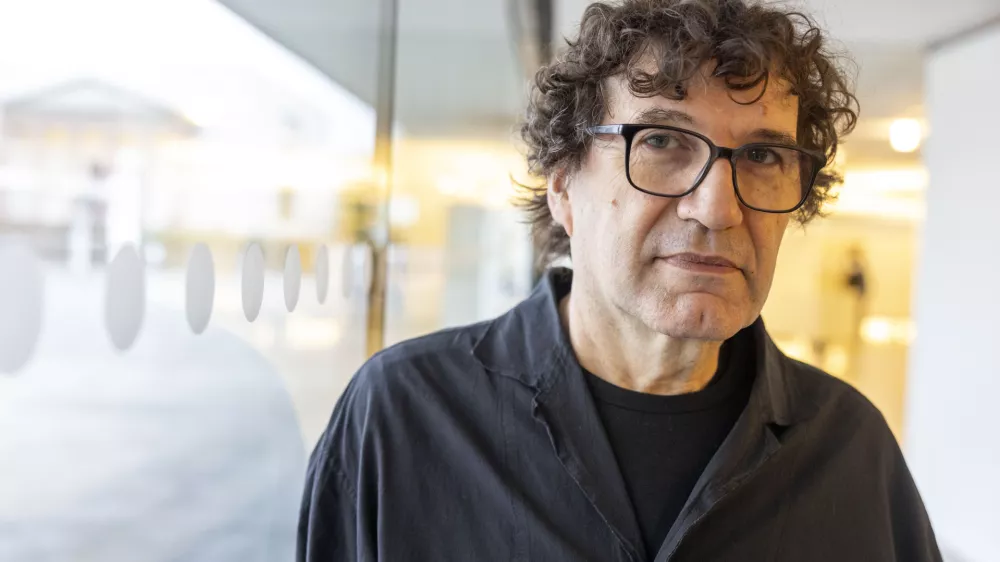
[699,316]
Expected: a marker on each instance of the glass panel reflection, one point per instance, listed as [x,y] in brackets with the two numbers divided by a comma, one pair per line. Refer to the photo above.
[142,417]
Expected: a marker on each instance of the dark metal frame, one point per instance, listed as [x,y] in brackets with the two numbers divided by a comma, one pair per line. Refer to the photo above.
[385,106]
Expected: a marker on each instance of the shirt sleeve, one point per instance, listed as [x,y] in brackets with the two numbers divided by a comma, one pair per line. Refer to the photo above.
[330,529]
[913,536]
[328,519]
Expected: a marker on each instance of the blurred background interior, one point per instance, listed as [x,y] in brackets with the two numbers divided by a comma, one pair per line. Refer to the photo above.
[211,212]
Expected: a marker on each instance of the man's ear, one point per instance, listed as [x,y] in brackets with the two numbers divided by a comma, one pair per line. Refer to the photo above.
[559,200]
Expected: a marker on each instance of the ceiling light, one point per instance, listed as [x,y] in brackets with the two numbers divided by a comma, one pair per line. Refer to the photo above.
[905,135]
[912,179]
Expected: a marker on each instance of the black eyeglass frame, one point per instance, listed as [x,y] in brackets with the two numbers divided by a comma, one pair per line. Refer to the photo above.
[629,130]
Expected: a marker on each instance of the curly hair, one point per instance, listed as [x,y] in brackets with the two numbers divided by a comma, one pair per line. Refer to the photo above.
[746,42]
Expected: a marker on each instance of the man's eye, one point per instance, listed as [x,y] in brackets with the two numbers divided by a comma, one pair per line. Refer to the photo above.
[762,156]
[660,141]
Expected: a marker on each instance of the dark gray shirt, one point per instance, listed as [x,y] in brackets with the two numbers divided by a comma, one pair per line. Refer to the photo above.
[483,443]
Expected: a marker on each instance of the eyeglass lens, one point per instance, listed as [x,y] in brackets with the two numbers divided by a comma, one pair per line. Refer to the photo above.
[768,177]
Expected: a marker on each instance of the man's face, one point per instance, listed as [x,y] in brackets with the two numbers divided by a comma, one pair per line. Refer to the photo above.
[656,259]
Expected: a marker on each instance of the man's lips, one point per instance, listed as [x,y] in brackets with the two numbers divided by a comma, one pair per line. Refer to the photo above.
[702,263]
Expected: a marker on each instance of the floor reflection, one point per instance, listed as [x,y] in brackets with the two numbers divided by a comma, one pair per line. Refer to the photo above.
[183,448]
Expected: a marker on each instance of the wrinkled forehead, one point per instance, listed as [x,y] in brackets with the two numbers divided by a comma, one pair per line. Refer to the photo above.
[706,96]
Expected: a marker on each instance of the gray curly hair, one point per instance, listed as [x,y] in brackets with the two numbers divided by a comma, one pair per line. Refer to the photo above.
[746,42]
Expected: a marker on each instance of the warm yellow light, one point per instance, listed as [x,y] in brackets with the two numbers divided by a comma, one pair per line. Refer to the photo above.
[889,193]
[452,185]
[876,330]
[905,135]
[840,160]
[881,330]
[836,361]
[303,333]
[900,180]
[799,349]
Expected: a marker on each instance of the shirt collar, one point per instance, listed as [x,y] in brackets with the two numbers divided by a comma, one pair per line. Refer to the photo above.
[528,343]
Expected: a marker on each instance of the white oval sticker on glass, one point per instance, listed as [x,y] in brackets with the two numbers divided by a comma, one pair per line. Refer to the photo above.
[22,294]
[293,277]
[253,281]
[124,297]
[200,286]
[322,273]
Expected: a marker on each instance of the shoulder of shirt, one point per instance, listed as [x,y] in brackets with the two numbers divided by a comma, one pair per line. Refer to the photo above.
[395,384]
[438,354]
[832,403]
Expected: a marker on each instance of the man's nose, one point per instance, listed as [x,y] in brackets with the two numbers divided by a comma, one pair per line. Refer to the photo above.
[714,204]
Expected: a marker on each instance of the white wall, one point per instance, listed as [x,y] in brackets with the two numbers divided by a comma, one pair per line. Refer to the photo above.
[953,418]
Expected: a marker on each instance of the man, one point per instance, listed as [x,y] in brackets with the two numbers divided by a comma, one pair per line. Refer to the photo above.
[635,408]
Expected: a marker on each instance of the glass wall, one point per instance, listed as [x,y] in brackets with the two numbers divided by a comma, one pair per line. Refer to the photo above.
[459,251]
[185,206]
[195,219]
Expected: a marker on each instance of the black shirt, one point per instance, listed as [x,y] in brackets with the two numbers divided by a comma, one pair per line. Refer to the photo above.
[483,444]
[663,443]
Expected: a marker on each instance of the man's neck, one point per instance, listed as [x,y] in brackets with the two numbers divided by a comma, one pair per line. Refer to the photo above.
[628,354]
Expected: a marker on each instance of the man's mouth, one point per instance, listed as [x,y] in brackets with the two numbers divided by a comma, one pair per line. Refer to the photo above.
[702,263]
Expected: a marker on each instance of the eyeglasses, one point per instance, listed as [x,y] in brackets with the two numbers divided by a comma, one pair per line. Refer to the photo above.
[672,162]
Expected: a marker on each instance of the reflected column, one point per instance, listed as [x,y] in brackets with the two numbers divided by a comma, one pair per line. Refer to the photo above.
[378,238]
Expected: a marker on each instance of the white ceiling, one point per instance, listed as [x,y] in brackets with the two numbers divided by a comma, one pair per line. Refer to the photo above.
[887,39]
[915,23]
[457,71]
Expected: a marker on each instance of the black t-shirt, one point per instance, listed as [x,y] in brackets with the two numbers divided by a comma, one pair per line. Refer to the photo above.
[663,443]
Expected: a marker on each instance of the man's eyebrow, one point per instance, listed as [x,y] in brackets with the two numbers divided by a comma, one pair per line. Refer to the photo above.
[772,135]
[659,116]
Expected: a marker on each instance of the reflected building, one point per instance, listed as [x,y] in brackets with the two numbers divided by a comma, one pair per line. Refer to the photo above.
[76,164]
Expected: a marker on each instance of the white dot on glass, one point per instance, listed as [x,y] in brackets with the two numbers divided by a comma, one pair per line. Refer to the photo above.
[22,295]
[322,273]
[253,281]
[124,297]
[293,277]
[200,294]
